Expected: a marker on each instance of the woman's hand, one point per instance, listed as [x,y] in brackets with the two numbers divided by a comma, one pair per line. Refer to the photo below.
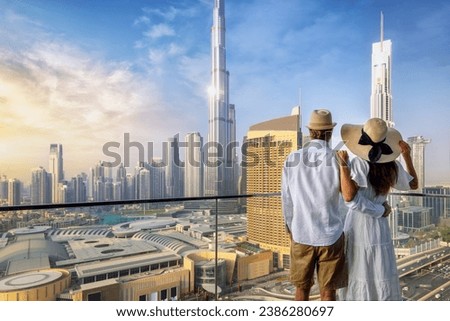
[406,149]
[342,157]
[406,153]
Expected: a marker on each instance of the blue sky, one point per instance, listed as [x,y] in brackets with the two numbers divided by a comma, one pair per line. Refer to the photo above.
[83,73]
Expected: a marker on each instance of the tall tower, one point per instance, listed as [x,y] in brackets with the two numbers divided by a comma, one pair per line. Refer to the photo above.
[55,168]
[158,178]
[268,145]
[381,95]
[14,192]
[221,157]
[193,169]
[173,170]
[417,144]
[41,191]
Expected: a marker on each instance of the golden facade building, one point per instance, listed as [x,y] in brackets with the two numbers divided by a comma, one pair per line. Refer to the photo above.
[268,145]
[163,286]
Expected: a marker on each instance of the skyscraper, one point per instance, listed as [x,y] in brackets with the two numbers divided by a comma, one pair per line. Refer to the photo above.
[173,180]
[193,166]
[268,145]
[14,192]
[3,189]
[55,169]
[41,182]
[221,157]
[417,144]
[381,95]
[97,180]
[157,178]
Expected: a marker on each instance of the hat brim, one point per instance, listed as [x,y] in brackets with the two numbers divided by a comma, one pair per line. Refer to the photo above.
[320,127]
[351,134]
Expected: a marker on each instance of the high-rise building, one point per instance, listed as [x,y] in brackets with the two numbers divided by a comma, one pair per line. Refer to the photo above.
[55,168]
[143,177]
[78,188]
[41,186]
[158,178]
[63,192]
[193,165]
[120,188]
[130,189]
[97,183]
[440,206]
[3,189]
[417,144]
[174,180]
[268,145]
[381,95]
[14,192]
[221,156]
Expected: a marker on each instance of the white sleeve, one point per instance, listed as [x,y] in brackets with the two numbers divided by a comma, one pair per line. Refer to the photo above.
[286,199]
[359,171]
[403,178]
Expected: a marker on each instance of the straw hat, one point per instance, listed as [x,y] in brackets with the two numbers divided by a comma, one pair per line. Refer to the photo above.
[320,119]
[373,141]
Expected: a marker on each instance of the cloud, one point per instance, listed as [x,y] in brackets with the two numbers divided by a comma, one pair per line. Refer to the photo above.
[168,14]
[159,31]
[53,91]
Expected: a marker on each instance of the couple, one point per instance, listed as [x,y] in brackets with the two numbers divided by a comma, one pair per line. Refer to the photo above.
[354,254]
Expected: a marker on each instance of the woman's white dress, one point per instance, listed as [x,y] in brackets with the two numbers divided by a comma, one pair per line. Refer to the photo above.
[370,253]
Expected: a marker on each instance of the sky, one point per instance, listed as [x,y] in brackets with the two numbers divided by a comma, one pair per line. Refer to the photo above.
[85,73]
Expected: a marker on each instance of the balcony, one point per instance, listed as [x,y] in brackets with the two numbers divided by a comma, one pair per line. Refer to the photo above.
[194,248]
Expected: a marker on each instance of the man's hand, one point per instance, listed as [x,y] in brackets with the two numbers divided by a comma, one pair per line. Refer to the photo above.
[387,209]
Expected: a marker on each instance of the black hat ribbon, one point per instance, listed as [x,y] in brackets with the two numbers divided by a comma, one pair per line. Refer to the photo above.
[378,149]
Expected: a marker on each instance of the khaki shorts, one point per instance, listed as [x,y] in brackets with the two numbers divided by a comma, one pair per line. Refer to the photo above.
[329,261]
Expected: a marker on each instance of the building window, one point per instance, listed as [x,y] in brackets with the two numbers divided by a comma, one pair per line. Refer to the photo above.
[101,277]
[113,275]
[143,297]
[94,296]
[163,295]
[173,292]
[145,268]
[154,267]
[124,272]
[163,265]
[134,271]
[88,279]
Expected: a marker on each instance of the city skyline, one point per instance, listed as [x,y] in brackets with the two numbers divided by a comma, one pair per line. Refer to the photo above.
[145,70]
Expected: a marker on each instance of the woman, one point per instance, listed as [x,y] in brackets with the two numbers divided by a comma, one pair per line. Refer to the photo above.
[370,253]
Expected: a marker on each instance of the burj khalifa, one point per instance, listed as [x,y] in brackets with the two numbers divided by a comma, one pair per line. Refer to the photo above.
[220,152]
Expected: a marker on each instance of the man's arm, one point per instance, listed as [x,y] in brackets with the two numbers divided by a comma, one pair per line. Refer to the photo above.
[286,201]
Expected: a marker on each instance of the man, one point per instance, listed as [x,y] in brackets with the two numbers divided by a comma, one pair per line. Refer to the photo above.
[310,198]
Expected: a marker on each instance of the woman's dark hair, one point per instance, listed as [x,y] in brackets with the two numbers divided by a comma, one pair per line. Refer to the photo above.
[383,176]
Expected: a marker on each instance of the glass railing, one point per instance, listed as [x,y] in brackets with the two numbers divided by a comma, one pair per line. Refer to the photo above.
[194,248]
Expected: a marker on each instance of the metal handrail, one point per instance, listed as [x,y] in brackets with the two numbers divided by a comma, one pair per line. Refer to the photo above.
[167,200]
[123,202]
